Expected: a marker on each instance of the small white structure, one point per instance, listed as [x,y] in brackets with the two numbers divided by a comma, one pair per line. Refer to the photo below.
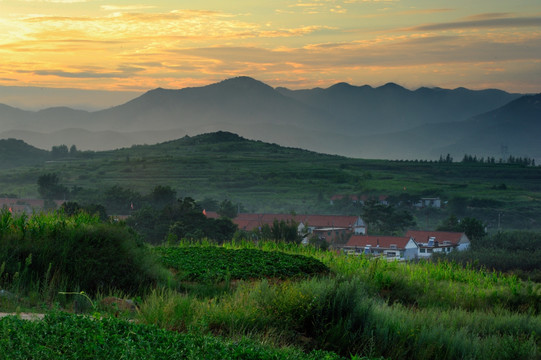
[390,247]
[429,202]
[431,242]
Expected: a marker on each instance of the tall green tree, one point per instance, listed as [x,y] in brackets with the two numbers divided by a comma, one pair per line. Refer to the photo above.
[472,227]
[228,209]
[385,218]
[162,196]
[49,187]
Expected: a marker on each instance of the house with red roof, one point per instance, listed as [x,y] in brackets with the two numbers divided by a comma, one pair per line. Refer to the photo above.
[439,241]
[389,247]
[328,227]
[27,206]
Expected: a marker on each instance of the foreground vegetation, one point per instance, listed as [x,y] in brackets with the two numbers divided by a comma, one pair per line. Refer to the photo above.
[64,336]
[306,302]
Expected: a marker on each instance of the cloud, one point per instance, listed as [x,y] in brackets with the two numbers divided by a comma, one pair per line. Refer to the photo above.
[424,11]
[126,7]
[481,23]
[59,1]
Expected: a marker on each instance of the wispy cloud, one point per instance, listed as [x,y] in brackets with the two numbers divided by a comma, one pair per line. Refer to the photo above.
[502,22]
[125,45]
[424,11]
[126,7]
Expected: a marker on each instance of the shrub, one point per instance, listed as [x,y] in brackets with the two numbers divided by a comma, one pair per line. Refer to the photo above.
[79,252]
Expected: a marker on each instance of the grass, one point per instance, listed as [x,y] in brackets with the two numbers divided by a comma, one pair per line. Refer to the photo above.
[349,307]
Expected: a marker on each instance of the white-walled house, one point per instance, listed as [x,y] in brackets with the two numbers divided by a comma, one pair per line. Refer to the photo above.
[328,226]
[430,242]
[390,247]
[429,202]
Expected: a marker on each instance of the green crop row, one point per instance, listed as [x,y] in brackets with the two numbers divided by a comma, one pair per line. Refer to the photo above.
[63,336]
[211,263]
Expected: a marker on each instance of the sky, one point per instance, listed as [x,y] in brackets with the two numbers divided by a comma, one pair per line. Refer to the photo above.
[118,49]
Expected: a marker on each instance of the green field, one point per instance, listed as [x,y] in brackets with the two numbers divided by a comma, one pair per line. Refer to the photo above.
[196,300]
[268,178]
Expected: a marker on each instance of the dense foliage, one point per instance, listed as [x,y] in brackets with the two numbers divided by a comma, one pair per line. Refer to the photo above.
[473,228]
[211,263]
[73,252]
[182,219]
[518,252]
[63,336]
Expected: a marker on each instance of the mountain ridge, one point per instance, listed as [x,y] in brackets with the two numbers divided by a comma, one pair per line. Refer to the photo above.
[328,120]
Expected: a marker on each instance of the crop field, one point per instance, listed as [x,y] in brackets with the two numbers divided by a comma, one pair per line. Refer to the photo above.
[288,301]
[196,263]
[65,336]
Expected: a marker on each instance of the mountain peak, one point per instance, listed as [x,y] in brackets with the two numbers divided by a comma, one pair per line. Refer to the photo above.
[391,86]
[341,85]
[242,83]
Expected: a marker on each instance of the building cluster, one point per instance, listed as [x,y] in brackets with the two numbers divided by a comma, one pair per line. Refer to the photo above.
[348,233]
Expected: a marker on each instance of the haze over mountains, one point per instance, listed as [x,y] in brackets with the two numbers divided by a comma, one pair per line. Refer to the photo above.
[358,121]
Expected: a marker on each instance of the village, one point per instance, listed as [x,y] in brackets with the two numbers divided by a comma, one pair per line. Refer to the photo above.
[348,234]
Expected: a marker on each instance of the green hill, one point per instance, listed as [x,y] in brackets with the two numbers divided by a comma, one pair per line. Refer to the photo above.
[266,177]
[14,153]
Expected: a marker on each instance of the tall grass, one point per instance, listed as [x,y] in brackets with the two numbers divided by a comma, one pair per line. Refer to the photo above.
[442,284]
[47,253]
[337,314]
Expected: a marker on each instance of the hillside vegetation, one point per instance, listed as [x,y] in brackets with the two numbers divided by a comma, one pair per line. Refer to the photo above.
[266,177]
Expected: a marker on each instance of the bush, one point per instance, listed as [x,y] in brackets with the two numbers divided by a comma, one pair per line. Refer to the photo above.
[79,251]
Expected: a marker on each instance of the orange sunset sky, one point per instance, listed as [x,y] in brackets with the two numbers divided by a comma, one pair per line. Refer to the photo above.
[130,47]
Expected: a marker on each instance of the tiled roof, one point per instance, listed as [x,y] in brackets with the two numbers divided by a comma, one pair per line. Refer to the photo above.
[384,242]
[440,236]
[247,221]
[33,203]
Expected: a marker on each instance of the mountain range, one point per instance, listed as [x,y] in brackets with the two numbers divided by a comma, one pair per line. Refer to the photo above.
[357,121]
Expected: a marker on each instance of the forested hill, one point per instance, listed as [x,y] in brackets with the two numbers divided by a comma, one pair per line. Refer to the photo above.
[15,153]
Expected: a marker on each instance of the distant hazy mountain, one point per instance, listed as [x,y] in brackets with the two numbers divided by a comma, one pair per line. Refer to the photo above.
[391,108]
[513,129]
[385,122]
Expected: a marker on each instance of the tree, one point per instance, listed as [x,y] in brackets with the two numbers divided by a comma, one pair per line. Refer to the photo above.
[209,204]
[59,151]
[162,196]
[72,208]
[449,224]
[119,200]
[473,228]
[282,231]
[228,209]
[49,187]
[386,218]
[458,205]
